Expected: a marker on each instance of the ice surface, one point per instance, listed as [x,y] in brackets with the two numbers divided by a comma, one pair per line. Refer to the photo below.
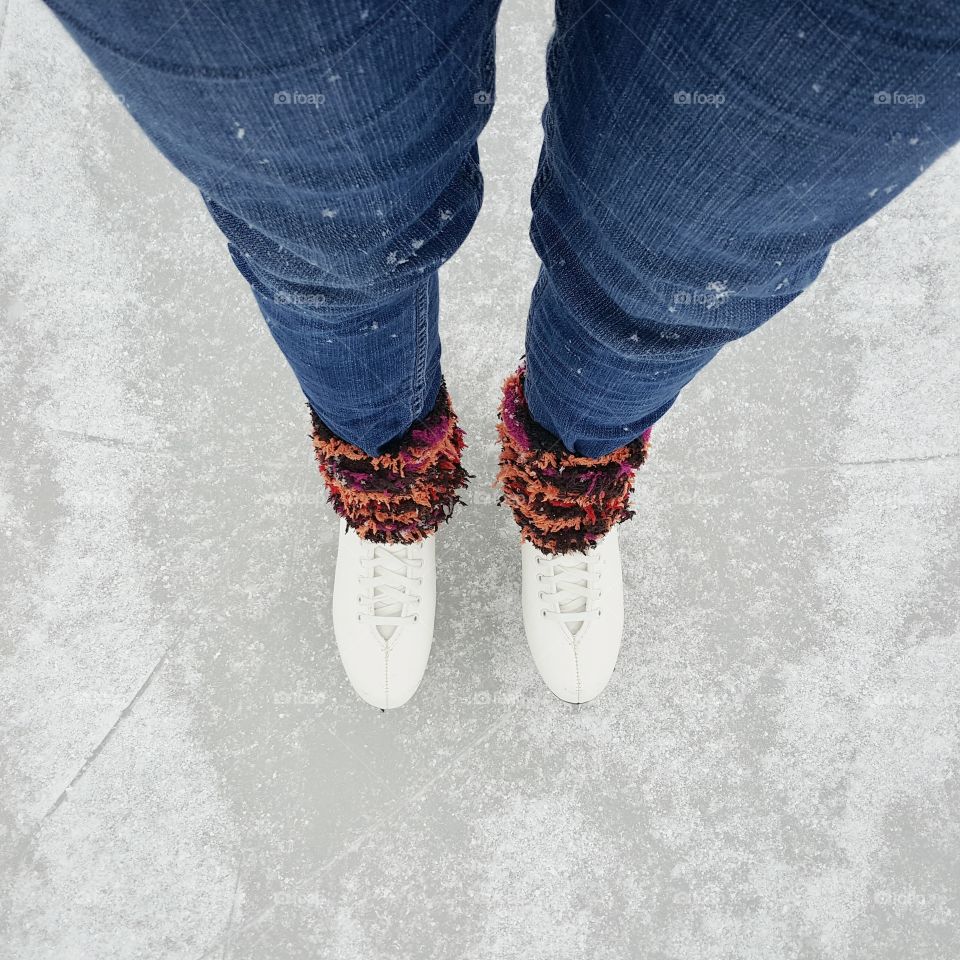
[185,771]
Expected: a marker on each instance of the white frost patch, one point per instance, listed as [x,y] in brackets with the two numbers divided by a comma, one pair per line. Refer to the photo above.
[136,850]
[546,880]
[717,294]
[142,848]
[876,693]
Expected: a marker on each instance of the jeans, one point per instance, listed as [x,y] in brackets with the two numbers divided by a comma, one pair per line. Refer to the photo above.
[699,160]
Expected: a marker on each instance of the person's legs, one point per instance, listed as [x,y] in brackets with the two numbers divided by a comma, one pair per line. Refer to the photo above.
[335,146]
[699,160]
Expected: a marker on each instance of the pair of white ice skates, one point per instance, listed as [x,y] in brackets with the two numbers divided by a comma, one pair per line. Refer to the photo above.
[384,602]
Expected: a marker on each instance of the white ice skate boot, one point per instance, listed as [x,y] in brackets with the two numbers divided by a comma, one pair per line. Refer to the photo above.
[573,616]
[384,598]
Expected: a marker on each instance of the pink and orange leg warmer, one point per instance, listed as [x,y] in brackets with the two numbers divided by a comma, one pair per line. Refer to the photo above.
[562,502]
[405,493]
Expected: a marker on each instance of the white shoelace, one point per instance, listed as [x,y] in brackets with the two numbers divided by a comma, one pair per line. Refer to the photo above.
[574,590]
[390,589]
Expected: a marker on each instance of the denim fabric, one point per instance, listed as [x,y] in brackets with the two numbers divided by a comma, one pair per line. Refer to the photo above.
[699,160]
[334,143]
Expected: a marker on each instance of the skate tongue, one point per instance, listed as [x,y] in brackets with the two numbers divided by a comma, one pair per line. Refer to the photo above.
[572,576]
[577,572]
[386,609]
[390,567]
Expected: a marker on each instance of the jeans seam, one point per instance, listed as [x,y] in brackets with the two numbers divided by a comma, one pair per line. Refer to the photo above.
[421,318]
[541,180]
[538,286]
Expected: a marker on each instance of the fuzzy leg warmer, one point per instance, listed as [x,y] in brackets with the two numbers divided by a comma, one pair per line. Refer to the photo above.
[562,502]
[406,492]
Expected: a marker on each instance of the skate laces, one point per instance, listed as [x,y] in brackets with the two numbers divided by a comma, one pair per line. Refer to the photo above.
[569,587]
[390,586]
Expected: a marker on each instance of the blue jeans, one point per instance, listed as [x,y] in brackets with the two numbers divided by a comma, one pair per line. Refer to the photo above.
[699,161]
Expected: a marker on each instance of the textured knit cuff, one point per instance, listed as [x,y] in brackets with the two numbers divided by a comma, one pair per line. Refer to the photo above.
[405,493]
[561,501]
